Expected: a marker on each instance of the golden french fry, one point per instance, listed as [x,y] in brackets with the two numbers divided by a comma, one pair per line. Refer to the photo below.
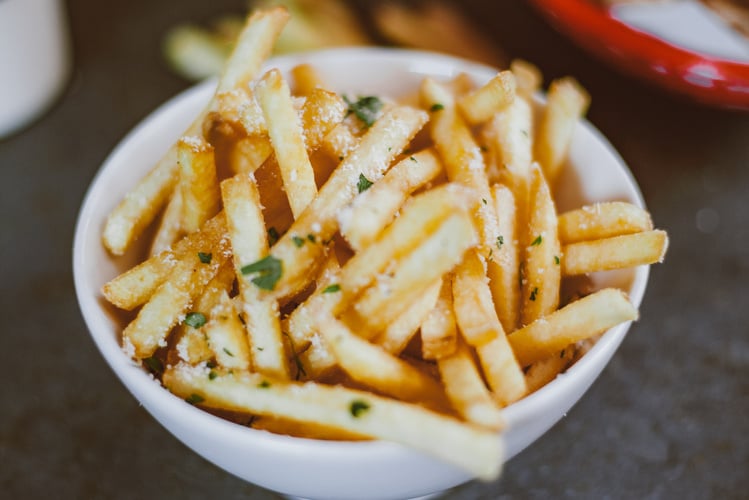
[248,154]
[439,335]
[481,104]
[198,182]
[376,368]
[466,389]
[170,225]
[226,335]
[576,321]
[135,286]
[541,266]
[396,335]
[385,139]
[542,372]
[171,302]
[527,76]
[617,252]
[602,220]
[285,130]
[141,205]
[340,142]
[477,450]
[306,79]
[566,103]
[376,207]
[438,254]
[505,282]
[255,270]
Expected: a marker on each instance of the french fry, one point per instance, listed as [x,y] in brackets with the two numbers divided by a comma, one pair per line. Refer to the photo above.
[466,389]
[340,142]
[439,335]
[602,220]
[226,335]
[387,137]
[171,301]
[542,372]
[527,76]
[477,450]
[617,252]
[481,104]
[396,335]
[198,182]
[248,154]
[576,321]
[135,286]
[249,242]
[286,135]
[376,207]
[170,225]
[541,268]
[390,296]
[479,325]
[306,79]
[375,367]
[566,103]
[505,283]
[322,112]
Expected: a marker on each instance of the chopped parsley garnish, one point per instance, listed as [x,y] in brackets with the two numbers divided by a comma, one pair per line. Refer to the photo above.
[154,365]
[413,159]
[269,270]
[500,241]
[483,200]
[300,371]
[194,399]
[534,292]
[556,260]
[335,287]
[212,375]
[311,237]
[363,183]
[273,236]
[436,107]
[195,319]
[491,252]
[264,384]
[227,351]
[358,407]
[365,108]
[298,241]
[205,258]
[537,241]
[211,364]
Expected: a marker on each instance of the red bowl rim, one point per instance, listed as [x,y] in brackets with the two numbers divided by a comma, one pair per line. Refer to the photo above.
[710,80]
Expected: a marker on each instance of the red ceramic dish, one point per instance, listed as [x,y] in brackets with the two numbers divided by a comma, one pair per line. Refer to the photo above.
[706,79]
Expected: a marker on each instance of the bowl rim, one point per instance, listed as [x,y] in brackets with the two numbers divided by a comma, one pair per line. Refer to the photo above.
[149,391]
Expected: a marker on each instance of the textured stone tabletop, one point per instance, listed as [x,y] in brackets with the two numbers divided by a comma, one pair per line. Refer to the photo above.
[669,417]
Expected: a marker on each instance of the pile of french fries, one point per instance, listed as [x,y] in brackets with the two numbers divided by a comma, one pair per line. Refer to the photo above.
[348,267]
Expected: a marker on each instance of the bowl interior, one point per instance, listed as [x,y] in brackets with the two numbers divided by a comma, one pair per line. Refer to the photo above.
[318,469]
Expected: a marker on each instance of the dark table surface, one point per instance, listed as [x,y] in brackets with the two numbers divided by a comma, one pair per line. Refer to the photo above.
[669,417]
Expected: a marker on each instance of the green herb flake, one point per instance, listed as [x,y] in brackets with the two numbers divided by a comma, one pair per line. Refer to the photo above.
[436,107]
[537,241]
[268,269]
[500,241]
[340,158]
[211,364]
[298,241]
[264,384]
[300,371]
[335,287]
[205,258]
[358,407]
[212,375]
[195,399]
[273,236]
[413,159]
[312,238]
[227,351]
[534,292]
[363,183]
[195,319]
[365,108]
[483,200]
[557,261]
[154,365]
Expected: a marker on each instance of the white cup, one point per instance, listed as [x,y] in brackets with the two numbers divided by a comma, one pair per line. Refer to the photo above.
[34,59]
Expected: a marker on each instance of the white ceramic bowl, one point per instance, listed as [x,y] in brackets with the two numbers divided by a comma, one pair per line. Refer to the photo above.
[304,467]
